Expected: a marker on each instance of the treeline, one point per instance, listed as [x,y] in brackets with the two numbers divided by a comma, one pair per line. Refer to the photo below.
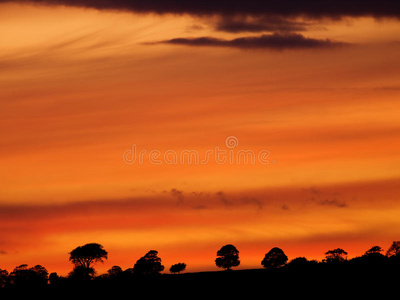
[150,265]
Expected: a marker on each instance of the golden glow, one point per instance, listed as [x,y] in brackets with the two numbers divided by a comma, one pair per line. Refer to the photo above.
[80,87]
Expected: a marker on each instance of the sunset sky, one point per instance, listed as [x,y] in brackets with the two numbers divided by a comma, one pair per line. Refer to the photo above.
[84,85]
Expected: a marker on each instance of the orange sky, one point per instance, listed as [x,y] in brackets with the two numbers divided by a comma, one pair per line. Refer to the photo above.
[79,87]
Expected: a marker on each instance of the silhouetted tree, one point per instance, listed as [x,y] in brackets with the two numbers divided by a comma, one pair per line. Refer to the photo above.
[298,262]
[35,276]
[20,275]
[41,273]
[84,256]
[371,258]
[54,278]
[227,257]
[114,272]
[275,258]
[4,278]
[177,268]
[394,249]
[374,251]
[82,273]
[149,264]
[335,255]
[128,271]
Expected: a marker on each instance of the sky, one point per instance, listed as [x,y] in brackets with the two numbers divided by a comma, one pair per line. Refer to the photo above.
[182,126]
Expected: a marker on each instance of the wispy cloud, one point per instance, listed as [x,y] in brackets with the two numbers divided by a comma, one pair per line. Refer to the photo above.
[222,197]
[333,202]
[326,198]
[178,195]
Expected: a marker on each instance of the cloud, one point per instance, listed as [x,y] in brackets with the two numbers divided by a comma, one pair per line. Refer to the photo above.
[314,9]
[159,203]
[326,198]
[259,204]
[341,195]
[275,41]
[222,197]
[29,212]
[178,195]
[333,202]
[235,24]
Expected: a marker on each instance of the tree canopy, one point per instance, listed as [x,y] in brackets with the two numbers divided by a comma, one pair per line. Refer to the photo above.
[394,249]
[177,268]
[86,255]
[22,275]
[375,250]
[336,255]
[149,264]
[227,257]
[114,271]
[275,258]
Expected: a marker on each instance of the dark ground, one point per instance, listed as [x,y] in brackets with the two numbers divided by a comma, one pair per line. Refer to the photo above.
[317,281]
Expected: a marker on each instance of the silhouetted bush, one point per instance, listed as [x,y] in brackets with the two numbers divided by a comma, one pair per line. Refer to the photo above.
[177,268]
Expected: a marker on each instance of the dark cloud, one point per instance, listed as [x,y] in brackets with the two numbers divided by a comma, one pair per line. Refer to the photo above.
[91,207]
[234,16]
[258,203]
[221,196]
[326,198]
[241,23]
[333,202]
[310,8]
[178,195]
[200,207]
[276,41]
[254,201]
[160,202]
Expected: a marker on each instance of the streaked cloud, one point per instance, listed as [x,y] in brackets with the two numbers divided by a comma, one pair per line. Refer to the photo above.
[239,23]
[276,41]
